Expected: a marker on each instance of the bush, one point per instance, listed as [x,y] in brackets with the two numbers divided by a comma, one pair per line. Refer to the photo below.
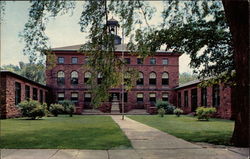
[178,112]
[56,109]
[204,113]
[161,112]
[68,106]
[169,109]
[32,109]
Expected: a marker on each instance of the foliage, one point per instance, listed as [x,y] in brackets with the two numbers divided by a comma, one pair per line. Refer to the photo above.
[217,131]
[32,71]
[96,132]
[56,109]
[204,113]
[169,109]
[178,112]
[186,77]
[68,107]
[32,109]
[197,28]
[161,112]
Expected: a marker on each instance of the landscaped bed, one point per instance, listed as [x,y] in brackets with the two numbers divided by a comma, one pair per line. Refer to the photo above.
[215,131]
[78,132]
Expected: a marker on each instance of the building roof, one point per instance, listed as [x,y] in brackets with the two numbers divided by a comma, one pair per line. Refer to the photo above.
[188,84]
[2,72]
[118,48]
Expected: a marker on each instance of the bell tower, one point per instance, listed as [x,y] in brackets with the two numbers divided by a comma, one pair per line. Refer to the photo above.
[112,26]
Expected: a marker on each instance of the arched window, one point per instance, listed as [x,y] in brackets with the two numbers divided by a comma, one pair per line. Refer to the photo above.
[164,96]
[165,80]
[60,77]
[87,76]
[99,78]
[152,78]
[140,81]
[74,77]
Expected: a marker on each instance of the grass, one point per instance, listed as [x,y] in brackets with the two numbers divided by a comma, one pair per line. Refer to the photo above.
[215,131]
[64,132]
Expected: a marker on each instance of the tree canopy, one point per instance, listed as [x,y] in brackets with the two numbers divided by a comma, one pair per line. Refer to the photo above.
[197,28]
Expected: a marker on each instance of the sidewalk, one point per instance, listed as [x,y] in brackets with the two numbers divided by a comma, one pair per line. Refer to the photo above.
[148,143]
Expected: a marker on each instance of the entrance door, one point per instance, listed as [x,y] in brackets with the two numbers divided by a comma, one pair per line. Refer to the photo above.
[193,99]
[114,97]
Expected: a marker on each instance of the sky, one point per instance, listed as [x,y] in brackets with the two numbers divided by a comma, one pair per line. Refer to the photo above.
[62,31]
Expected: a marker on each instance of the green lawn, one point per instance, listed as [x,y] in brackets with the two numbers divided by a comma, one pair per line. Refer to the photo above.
[216,131]
[78,132]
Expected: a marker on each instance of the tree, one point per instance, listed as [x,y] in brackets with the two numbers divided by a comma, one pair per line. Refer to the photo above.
[191,27]
[186,77]
[237,13]
[34,72]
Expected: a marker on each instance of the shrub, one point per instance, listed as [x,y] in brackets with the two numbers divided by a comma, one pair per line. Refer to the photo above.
[204,113]
[32,109]
[169,109]
[178,112]
[56,109]
[68,106]
[161,112]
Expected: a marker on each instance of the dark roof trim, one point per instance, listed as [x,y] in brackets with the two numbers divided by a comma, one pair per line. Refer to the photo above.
[6,72]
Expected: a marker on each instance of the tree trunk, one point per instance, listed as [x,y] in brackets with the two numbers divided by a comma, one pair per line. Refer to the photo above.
[237,14]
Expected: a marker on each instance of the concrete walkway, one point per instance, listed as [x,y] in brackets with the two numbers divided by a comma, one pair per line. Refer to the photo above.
[148,143]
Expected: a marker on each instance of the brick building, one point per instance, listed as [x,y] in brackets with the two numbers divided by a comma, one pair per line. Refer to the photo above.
[16,88]
[190,96]
[159,80]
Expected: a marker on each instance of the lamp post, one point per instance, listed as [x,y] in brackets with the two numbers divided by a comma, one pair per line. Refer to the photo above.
[122,74]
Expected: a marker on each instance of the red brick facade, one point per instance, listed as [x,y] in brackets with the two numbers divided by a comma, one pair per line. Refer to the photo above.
[8,103]
[223,108]
[172,68]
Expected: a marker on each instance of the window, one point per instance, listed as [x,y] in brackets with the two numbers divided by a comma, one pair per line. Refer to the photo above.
[87,76]
[60,78]
[87,97]
[203,96]
[17,93]
[152,78]
[139,97]
[60,96]
[152,61]
[74,97]
[74,78]
[27,92]
[140,81]
[186,99]
[74,60]
[152,97]
[165,61]
[99,78]
[165,78]
[127,60]
[179,99]
[139,61]
[164,96]
[34,93]
[60,60]
[41,96]
[216,95]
